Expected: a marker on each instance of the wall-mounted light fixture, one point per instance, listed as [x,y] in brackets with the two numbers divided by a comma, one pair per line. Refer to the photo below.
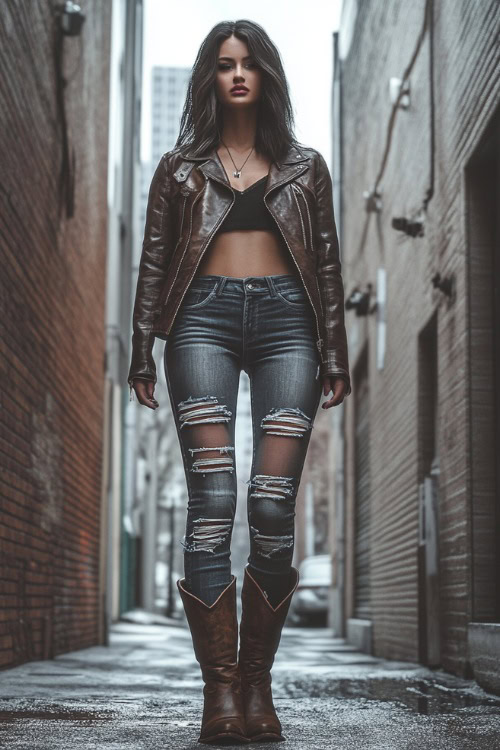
[360,301]
[444,285]
[71,18]
[412,227]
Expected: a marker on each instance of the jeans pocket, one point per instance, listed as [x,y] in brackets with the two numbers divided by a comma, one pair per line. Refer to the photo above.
[196,296]
[293,297]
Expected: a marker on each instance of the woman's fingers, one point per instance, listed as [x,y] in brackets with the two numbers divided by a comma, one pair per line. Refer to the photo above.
[338,387]
[144,390]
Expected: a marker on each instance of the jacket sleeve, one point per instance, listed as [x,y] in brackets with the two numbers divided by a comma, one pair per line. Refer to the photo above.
[329,276]
[153,266]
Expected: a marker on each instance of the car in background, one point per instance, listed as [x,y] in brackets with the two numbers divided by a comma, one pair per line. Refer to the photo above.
[310,601]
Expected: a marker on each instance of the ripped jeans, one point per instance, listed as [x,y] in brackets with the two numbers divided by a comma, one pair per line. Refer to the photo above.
[265,325]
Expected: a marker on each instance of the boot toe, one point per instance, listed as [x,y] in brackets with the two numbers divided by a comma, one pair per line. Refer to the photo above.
[262,729]
[226,728]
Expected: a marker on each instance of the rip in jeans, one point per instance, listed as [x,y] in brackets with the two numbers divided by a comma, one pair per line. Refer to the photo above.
[209,465]
[287,422]
[268,486]
[207,534]
[268,545]
[202,410]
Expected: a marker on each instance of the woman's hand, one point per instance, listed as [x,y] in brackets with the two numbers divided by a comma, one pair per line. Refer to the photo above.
[144,390]
[337,386]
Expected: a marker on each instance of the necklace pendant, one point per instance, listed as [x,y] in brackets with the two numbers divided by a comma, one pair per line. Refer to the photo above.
[236,174]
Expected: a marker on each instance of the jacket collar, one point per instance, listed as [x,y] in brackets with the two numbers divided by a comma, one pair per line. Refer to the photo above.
[211,165]
[292,156]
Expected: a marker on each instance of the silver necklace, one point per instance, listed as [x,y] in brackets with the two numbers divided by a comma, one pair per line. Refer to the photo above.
[237,172]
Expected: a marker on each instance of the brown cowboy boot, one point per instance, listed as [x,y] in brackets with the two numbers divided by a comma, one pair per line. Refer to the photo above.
[260,634]
[214,631]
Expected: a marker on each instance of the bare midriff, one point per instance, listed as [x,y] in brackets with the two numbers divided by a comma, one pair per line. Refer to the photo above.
[247,252]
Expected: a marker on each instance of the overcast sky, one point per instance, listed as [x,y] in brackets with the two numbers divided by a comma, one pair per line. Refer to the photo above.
[302,31]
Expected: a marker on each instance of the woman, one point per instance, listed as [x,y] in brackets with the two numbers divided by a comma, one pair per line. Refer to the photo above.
[240,269]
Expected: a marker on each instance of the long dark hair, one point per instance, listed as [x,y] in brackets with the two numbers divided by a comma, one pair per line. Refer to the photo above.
[201,121]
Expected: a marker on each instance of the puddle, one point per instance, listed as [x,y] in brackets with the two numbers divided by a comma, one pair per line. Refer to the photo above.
[422,696]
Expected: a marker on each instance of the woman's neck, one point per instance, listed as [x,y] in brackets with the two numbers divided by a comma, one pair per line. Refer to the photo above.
[239,129]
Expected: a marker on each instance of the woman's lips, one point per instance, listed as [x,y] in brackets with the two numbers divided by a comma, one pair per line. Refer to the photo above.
[238,91]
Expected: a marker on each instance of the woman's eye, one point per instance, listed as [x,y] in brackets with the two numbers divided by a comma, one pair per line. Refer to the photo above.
[226,66]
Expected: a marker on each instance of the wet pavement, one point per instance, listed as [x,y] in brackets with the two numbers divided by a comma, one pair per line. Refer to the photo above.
[144,693]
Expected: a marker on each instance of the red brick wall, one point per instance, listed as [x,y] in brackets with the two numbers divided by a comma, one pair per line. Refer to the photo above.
[52,336]
[466,93]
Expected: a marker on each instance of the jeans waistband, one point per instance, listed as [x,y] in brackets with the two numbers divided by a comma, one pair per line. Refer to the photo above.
[250,284]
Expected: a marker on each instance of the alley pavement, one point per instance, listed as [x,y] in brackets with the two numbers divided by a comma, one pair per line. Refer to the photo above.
[143,692]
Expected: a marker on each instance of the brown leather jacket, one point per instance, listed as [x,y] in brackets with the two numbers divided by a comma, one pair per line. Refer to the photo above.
[188,200]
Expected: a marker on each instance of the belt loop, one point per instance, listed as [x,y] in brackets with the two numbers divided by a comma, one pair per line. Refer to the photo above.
[270,284]
[221,283]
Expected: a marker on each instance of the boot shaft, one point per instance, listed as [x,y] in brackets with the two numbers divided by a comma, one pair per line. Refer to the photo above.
[261,627]
[214,631]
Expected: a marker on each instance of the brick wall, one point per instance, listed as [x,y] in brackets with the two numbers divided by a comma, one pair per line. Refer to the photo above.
[466,94]
[52,289]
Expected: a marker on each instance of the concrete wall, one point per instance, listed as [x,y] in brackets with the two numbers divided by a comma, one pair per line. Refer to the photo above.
[52,332]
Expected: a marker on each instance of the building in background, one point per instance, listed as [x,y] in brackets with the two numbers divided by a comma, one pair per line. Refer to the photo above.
[312,536]
[316,532]
[169,88]
[168,96]
[54,223]
[119,535]
[157,512]
[417,500]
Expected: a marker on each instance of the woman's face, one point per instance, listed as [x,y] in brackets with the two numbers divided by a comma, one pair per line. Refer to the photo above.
[236,68]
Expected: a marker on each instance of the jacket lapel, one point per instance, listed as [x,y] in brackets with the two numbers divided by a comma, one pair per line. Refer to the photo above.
[294,163]
[213,168]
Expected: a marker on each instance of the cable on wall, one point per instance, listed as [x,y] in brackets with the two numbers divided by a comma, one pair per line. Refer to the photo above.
[411,227]
[430,190]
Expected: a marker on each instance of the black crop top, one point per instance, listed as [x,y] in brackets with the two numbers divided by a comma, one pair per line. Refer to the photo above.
[249,210]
